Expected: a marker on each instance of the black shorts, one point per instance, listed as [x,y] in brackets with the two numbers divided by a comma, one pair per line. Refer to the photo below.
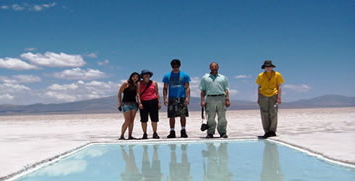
[150,108]
[177,107]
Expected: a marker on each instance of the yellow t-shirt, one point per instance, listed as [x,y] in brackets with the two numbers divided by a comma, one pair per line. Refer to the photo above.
[269,82]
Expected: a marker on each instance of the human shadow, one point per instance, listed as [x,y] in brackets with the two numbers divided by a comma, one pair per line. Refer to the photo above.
[271,170]
[216,168]
[179,171]
[131,172]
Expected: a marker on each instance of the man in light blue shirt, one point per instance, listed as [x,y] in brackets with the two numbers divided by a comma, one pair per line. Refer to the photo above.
[215,98]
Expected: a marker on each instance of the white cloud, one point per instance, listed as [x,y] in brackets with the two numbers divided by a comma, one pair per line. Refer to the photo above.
[102,63]
[28,7]
[91,55]
[6,97]
[63,97]
[51,59]
[58,87]
[16,64]
[233,91]
[241,77]
[13,87]
[30,49]
[4,7]
[81,90]
[17,7]
[64,168]
[297,88]
[79,74]
[12,93]
[20,79]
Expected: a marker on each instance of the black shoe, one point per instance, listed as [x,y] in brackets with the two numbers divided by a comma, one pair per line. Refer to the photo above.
[172,134]
[121,138]
[266,135]
[224,135]
[271,134]
[209,136]
[145,136]
[155,136]
[132,138]
[183,133]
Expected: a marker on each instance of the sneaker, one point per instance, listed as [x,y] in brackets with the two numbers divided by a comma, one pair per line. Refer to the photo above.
[145,136]
[172,134]
[131,138]
[209,136]
[224,135]
[121,138]
[183,133]
[155,136]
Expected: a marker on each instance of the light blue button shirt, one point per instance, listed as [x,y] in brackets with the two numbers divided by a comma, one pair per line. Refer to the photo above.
[214,85]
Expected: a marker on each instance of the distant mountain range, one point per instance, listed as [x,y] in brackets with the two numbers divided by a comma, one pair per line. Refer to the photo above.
[109,105]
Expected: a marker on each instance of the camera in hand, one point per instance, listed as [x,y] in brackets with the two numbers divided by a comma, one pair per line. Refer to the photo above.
[204,127]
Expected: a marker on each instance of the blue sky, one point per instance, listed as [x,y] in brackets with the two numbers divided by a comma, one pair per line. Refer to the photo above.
[64,50]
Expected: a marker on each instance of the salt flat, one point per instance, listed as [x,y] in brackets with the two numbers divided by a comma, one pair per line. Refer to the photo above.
[27,140]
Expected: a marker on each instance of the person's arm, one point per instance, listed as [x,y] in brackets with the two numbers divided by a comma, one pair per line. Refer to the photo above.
[258,91]
[187,93]
[203,95]
[119,94]
[227,101]
[157,92]
[278,100]
[139,101]
[165,93]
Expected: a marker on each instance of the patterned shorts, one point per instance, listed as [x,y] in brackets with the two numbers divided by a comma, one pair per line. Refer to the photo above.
[177,107]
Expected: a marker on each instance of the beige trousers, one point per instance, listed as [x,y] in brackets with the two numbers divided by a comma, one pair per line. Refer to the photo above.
[268,111]
[215,106]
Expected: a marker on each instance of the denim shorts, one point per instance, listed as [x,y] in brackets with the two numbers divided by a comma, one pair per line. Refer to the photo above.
[128,106]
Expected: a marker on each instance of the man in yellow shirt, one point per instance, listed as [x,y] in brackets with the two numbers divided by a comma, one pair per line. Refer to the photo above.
[269,97]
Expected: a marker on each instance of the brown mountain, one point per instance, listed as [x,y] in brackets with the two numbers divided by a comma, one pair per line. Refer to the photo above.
[109,105]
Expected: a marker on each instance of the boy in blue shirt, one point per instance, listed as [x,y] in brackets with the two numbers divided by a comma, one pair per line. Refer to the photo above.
[176,94]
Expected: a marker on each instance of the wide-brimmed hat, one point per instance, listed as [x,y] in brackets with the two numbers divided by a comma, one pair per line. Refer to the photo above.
[145,71]
[267,63]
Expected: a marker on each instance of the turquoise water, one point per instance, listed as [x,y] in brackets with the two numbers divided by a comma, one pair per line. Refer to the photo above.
[177,161]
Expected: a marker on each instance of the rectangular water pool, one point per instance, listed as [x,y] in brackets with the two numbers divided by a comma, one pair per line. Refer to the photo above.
[216,160]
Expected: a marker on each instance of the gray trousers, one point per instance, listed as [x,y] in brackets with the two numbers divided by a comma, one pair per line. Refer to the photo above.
[268,111]
[216,106]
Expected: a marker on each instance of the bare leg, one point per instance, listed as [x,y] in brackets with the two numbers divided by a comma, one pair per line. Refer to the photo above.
[131,122]
[172,122]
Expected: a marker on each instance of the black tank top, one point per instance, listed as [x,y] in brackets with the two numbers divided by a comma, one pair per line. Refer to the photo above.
[129,94]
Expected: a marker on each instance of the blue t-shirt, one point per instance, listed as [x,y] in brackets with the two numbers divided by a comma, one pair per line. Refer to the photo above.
[176,83]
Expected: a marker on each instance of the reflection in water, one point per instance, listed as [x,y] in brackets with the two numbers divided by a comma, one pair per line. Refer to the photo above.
[182,162]
[179,171]
[216,168]
[271,165]
[151,171]
[131,172]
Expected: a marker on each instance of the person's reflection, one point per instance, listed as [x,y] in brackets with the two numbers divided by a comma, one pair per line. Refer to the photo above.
[217,163]
[151,172]
[131,172]
[179,171]
[271,165]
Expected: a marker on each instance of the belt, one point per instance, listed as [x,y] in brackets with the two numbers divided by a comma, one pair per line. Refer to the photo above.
[215,95]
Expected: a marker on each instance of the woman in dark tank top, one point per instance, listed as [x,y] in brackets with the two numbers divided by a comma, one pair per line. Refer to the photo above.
[128,104]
